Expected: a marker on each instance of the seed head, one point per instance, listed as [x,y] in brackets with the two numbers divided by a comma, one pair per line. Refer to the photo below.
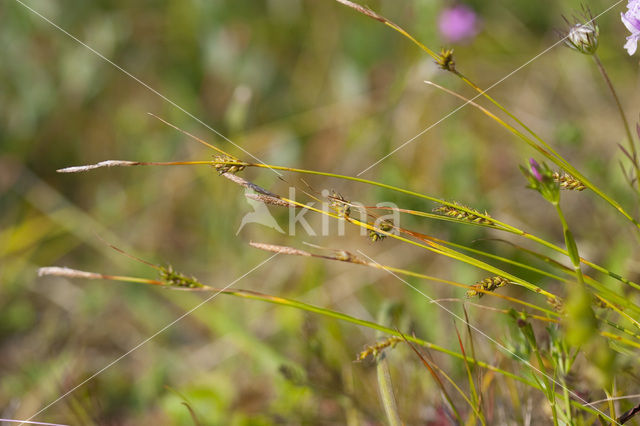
[556,303]
[568,182]
[488,284]
[176,279]
[339,204]
[68,272]
[462,214]
[345,256]
[280,249]
[446,61]
[377,349]
[222,166]
[582,35]
[385,226]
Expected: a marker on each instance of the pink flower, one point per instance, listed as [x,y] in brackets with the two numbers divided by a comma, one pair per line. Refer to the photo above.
[631,20]
[535,170]
[458,23]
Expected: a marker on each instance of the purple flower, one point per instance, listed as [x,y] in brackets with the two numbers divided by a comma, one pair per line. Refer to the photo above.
[631,20]
[458,23]
[535,169]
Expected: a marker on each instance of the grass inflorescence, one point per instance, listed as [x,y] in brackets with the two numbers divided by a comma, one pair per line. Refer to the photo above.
[173,278]
[487,284]
[468,215]
[568,182]
[574,321]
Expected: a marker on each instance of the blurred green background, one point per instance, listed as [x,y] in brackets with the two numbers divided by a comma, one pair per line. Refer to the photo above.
[300,83]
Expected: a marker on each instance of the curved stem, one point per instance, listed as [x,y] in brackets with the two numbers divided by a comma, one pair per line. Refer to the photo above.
[572,247]
[625,123]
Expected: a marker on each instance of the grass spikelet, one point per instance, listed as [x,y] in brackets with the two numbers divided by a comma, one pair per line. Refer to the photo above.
[280,249]
[488,284]
[375,350]
[386,226]
[107,163]
[339,204]
[340,255]
[345,256]
[446,61]
[365,11]
[556,303]
[176,279]
[568,182]
[463,215]
[225,164]
[62,271]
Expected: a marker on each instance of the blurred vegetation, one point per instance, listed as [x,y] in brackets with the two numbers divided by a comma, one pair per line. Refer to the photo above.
[300,83]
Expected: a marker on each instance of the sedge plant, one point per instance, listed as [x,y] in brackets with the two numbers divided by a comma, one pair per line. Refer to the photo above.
[582,324]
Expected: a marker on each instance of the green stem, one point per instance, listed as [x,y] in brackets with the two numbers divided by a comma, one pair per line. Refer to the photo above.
[627,128]
[610,403]
[385,387]
[572,247]
[567,399]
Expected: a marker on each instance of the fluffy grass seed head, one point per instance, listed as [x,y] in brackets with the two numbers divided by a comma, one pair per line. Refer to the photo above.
[487,284]
[63,271]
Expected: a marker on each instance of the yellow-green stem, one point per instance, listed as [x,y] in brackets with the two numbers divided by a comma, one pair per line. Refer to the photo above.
[572,247]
